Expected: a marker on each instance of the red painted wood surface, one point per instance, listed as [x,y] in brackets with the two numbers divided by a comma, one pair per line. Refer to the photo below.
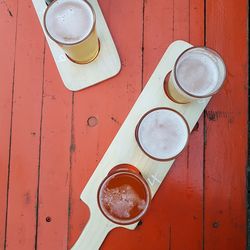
[21,214]
[8,13]
[226,131]
[52,139]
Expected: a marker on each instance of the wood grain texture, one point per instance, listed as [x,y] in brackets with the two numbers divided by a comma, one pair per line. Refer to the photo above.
[178,205]
[54,175]
[8,19]
[201,204]
[25,137]
[124,148]
[106,105]
[226,130]
[157,35]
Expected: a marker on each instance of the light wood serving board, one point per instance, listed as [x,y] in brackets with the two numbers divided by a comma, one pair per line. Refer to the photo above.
[124,148]
[80,76]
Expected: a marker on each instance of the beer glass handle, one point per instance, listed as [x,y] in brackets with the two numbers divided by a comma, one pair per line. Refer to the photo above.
[94,233]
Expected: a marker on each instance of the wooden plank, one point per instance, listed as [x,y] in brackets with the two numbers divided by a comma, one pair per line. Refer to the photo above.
[181,19]
[226,130]
[157,35]
[80,76]
[186,209]
[182,206]
[54,165]
[224,217]
[200,172]
[8,18]
[24,162]
[124,148]
[109,103]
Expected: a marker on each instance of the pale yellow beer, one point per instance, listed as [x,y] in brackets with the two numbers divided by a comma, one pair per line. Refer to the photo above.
[162,133]
[199,72]
[72,25]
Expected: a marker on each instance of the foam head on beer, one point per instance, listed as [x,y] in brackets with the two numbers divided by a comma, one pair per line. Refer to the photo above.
[162,133]
[69,21]
[123,197]
[200,71]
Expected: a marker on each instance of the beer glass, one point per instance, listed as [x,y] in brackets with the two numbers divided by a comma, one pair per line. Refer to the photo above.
[162,133]
[72,25]
[199,72]
[124,196]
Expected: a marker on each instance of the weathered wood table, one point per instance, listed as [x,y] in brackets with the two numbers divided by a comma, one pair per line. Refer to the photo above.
[51,139]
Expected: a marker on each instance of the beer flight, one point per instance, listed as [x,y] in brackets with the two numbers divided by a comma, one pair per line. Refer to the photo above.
[162,133]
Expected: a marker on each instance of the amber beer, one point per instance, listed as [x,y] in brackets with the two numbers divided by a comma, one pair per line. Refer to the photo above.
[124,196]
[72,25]
[162,133]
[199,72]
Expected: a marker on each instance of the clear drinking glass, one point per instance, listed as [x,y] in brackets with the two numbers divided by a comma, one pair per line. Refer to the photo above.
[162,133]
[72,25]
[199,72]
[124,196]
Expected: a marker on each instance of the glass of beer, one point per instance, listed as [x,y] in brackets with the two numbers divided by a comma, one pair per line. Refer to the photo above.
[199,72]
[72,25]
[162,133]
[124,195]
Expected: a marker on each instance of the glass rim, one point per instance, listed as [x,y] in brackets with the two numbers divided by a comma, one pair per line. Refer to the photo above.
[138,126]
[75,43]
[166,89]
[187,92]
[138,177]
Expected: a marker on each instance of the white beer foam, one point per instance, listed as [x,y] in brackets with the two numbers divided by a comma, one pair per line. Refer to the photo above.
[197,72]
[121,200]
[163,134]
[69,21]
